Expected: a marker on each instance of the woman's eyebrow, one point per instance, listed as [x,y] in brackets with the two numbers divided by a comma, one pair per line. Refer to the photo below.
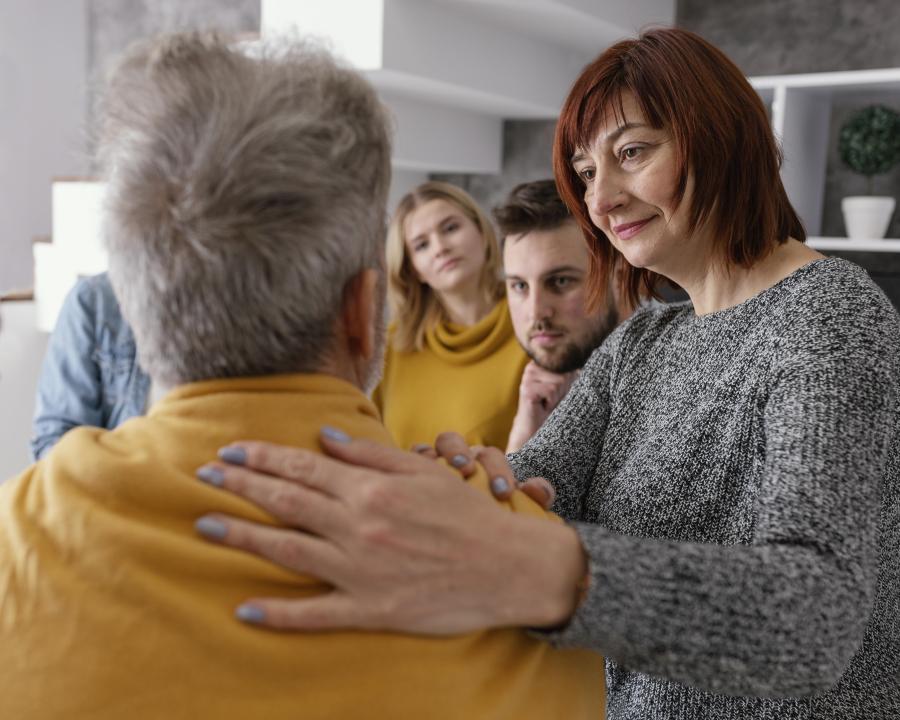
[611,138]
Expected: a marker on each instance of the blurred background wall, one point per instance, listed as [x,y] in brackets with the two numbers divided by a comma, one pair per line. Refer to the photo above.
[53,54]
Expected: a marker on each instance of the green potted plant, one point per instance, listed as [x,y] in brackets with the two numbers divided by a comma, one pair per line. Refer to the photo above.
[869,143]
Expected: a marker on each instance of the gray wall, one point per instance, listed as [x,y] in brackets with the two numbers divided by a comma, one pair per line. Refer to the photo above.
[52,57]
[42,82]
[764,37]
[526,156]
[114,24]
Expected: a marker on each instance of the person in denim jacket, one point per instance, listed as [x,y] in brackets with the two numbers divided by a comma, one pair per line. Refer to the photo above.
[90,374]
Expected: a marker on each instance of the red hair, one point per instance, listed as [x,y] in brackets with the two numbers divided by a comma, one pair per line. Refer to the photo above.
[721,134]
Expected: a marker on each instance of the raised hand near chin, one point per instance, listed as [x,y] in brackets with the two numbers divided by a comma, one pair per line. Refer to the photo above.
[539,393]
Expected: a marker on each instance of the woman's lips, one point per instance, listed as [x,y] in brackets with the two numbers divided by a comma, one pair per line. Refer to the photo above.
[629,230]
[449,265]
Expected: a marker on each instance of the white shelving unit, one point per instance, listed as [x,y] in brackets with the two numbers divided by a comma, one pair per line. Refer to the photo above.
[801,113]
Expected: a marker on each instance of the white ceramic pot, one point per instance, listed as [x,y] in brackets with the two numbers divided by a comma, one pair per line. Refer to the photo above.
[867,217]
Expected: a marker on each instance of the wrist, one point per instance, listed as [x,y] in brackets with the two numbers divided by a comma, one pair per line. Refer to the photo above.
[572,581]
[523,427]
[552,574]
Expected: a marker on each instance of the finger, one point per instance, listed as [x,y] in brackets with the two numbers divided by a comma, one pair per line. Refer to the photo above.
[370,454]
[296,551]
[330,611]
[502,480]
[425,450]
[455,450]
[292,503]
[540,490]
[289,463]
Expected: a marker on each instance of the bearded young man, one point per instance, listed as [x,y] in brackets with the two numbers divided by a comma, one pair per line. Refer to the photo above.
[545,262]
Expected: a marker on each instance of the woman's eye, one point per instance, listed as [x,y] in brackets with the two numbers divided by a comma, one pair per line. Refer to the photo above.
[451,227]
[630,152]
[517,286]
[421,245]
[586,174]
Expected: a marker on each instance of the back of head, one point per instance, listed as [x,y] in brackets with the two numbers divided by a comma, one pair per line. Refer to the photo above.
[243,193]
[414,306]
[534,205]
[722,138]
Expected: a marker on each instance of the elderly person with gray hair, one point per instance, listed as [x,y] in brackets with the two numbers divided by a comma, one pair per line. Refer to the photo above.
[245,225]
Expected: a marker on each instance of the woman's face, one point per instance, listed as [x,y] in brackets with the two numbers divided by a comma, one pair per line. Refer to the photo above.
[630,176]
[445,247]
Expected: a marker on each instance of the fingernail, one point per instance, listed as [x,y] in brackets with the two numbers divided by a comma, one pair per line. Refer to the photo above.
[458,461]
[211,475]
[335,434]
[233,455]
[420,447]
[211,528]
[499,485]
[250,614]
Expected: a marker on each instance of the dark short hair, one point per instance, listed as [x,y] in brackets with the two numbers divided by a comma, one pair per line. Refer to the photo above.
[534,205]
[721,133]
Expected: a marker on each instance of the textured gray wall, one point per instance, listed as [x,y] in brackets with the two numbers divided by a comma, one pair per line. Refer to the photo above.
[764,37]
[772,37]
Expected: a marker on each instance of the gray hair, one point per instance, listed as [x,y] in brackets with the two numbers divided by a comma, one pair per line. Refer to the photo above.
[243,194]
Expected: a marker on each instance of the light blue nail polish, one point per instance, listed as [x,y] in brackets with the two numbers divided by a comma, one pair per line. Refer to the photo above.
[211,528]
[458,461]
[499,485]
[211,475]
[335,434]
[233,455]
[250,614]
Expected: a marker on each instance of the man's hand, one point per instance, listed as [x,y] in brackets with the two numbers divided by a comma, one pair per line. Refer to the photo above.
[539,393]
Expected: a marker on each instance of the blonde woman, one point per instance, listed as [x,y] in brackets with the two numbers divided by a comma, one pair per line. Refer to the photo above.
[452,359]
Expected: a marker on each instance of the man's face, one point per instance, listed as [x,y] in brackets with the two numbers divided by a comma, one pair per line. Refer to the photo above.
[545,274]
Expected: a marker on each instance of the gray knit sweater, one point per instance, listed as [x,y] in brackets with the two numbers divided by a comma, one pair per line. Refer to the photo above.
[735,481]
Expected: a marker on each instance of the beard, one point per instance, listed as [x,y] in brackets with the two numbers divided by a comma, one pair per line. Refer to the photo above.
[375,367]
[573,355]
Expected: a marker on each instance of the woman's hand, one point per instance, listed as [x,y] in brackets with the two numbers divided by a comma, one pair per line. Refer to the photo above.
[456,451]
[405,544]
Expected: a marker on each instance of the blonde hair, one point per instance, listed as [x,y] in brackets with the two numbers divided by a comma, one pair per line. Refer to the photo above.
[415,308]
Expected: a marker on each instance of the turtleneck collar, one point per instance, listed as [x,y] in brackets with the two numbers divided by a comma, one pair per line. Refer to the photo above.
[461,345]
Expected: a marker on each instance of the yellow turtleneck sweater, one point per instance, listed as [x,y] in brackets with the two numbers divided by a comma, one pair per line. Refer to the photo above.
[112,607]
[465,379]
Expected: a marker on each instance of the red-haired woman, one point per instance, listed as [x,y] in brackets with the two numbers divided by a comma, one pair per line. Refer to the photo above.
[728,466]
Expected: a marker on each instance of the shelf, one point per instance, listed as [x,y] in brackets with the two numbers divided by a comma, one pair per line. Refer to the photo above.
[800,109]
[848,245]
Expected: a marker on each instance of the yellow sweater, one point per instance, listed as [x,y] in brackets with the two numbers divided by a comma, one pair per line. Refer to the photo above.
[112,607]
[465,379]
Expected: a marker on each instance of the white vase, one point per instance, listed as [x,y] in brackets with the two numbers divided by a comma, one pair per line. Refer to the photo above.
[867,217]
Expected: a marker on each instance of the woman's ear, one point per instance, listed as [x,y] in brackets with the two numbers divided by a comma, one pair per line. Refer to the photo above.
[361,303]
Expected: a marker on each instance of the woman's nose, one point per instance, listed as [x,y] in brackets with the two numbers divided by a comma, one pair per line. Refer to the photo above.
[440,244]
[604,195]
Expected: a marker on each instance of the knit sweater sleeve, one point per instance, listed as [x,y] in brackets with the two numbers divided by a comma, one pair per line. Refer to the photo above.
[566,447]
[783,615]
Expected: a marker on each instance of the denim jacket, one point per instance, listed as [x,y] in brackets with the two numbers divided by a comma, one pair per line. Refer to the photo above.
[90,374]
